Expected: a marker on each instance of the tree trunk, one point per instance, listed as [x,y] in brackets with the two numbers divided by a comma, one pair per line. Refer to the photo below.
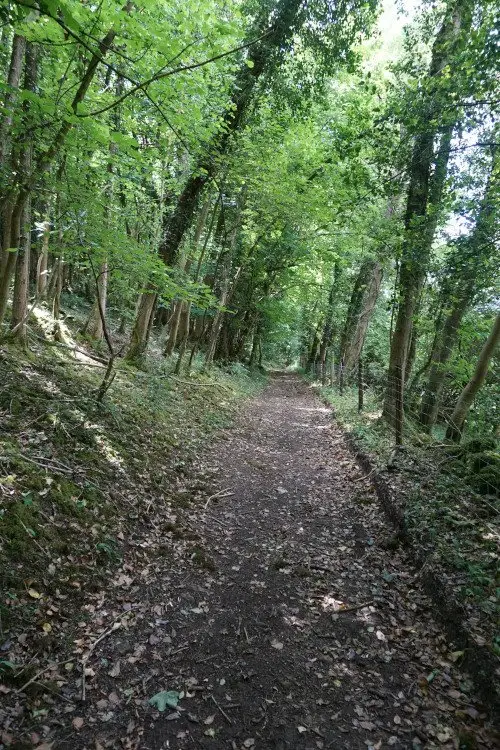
[12,204]
[442,352]
[56,302]
[93,326]
[363,300]
[326,338]
[142,327]
[423,203]
[13,80]
[18,320]
[43,262]
[255,347]
[313,349]
[260,56]
[217,321]
[175,320]
[12,216]
[459,414]
[461,284]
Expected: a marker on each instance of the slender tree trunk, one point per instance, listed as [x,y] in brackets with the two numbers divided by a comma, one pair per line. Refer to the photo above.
[13,80]
[56,302]
[459,414]
[255,346]
[18,320]
[217,321]
[12,204]
[313,349]
[362,304]
[423,204]
[432,395]
[175,320]
[12,216]
[142,328]
[94,327]
[459,288]
[361,385]
[260,57]
[327,336]
[43,263]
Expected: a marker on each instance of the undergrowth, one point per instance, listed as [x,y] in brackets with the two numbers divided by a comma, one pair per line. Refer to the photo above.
[79,478]
[444,510]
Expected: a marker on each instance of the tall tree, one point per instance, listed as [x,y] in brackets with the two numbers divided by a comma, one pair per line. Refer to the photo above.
[425,185]
[459,413]
[463,279]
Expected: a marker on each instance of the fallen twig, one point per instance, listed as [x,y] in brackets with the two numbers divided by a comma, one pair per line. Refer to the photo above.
[365,476]
[221,493]
[40,673]
[221,710]
[321,568]
[92,647]
[354,607]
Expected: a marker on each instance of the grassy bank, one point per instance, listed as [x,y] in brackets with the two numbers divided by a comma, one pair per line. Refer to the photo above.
[445,513]
[83,485]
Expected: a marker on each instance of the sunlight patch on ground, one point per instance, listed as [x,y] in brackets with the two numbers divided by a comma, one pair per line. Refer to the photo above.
[45,321]
[314,409]
[107,449]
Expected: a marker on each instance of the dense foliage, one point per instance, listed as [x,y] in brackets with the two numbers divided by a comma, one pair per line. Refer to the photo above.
[260,183]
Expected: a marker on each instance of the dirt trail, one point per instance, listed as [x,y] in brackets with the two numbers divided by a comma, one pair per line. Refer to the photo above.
[251,635]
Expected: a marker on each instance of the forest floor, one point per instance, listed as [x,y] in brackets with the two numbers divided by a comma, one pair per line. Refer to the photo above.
[270,612]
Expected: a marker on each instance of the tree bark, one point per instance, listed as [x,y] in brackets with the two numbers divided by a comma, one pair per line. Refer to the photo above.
[13,221]
[423,204]
[459,288]
[13,80]
[362,304]
[18,320]
[94,327]
[142,328]
[459,414]
[43,262]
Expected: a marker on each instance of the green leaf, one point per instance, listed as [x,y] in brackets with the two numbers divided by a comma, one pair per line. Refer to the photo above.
[165,699]
[250,63]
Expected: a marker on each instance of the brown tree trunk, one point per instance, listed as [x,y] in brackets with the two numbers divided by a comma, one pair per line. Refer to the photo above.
[43,263]
[255,347]
[313,349]
[175,320]
[13,80]
[12,213]
[459,414]
[18,320]
[260,56]
[142,327]
[423,205]
[361,307]
[460,286]
[56,302]
[93,326]
[442,352]
[12,204]
[217,321]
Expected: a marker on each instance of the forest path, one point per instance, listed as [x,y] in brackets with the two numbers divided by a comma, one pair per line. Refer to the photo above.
[251,634]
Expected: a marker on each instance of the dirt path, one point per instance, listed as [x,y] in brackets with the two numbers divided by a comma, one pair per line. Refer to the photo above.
[247,627]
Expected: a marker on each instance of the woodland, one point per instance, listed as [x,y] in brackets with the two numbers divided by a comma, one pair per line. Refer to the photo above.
[196,197]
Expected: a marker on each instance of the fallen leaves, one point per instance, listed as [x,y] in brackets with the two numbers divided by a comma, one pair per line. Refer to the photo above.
[333,683]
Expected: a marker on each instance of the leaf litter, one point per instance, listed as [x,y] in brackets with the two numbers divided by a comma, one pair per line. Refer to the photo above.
[260,567]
